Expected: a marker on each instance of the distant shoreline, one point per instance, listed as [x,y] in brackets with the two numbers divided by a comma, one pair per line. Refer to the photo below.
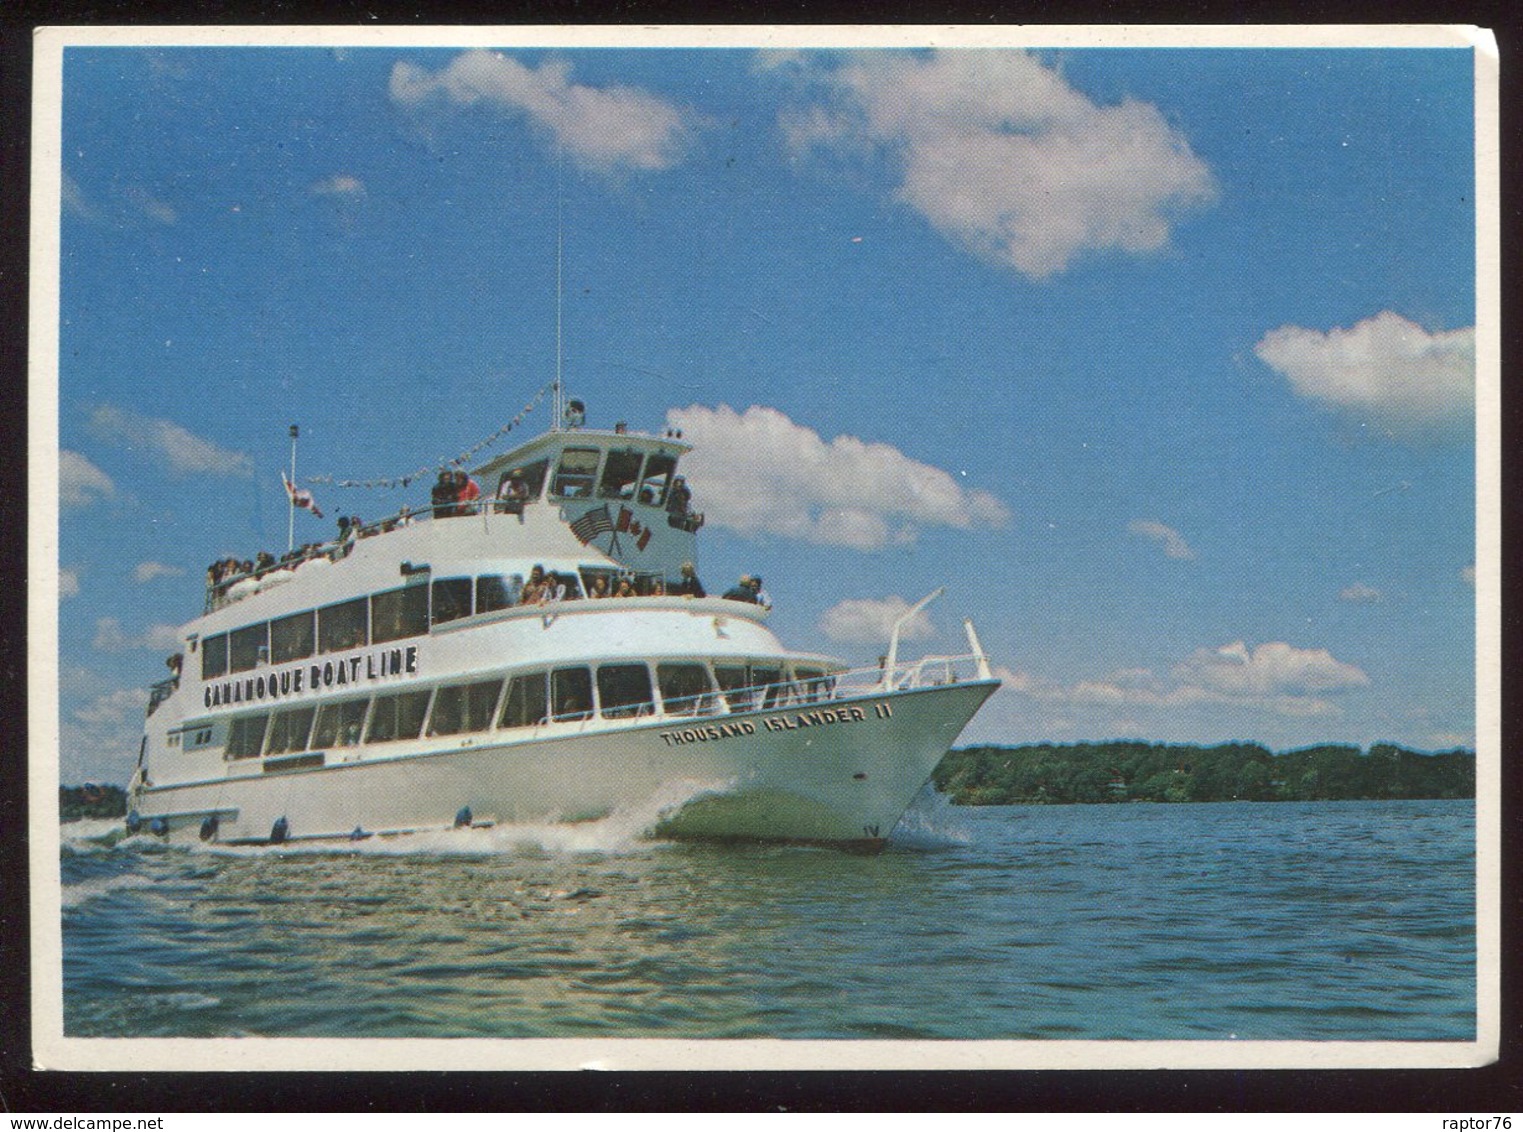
[1122,771]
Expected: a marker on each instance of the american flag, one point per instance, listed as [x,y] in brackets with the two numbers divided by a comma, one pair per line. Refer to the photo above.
[593,523]
[300,497]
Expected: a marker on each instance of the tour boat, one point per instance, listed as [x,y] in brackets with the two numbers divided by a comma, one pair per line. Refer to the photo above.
[401,678]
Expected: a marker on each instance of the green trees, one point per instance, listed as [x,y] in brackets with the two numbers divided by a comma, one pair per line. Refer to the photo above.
[1125,771]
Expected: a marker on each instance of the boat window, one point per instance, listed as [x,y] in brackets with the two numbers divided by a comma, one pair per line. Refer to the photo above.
[292,638]
[214,656]
[658,477]
[342,626]
[459,708]
[526,705]
[339,725]
[812,684]
[621,473]
[289,730]
[685,688]
[399,613]
[573,479]
[452,599]
[534,477]
[572,584]
[198,734]
[248,646]
[571,693]
[771,679]
[735,683]
[590,577]
[397,716]
[498,591]
[624,690]
[245,736]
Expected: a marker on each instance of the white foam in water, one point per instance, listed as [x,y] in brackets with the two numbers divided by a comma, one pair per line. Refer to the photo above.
[625,830]
[89,829]
[931,822]
[76,894]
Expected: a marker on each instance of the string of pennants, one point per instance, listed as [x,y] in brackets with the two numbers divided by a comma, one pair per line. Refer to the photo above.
[459,461]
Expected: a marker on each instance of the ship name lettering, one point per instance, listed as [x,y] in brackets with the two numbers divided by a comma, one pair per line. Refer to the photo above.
[299,678]
[707,734]
[821,718]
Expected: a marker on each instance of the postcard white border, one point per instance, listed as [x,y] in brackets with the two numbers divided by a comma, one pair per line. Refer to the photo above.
[53,1050]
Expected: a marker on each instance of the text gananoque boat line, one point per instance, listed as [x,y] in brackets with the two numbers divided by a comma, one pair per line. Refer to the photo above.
[462,666]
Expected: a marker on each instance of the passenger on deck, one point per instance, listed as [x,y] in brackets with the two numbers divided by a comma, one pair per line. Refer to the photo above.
[442,497]
[512,494]
[741,591]
[599,587]
[467,492]
[681,496]
[175,663]
[530,594]
[763,599]
[263,561]
[657,588]
[626,588]
[553,590]
[689,585]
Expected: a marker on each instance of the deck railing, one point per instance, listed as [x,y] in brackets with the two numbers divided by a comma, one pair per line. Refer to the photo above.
[218,593]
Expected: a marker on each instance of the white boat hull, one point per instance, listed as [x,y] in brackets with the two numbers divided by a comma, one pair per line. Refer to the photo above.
[838,771]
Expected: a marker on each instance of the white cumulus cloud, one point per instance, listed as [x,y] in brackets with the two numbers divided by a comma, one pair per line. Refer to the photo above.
[182,451]
[865,621]
[1467,575]
[99,739]
[1174,544]
[68,583]
[603,128]
[1001,155]
[1271,669]
[758,473]
[1274,677]
[1360,593]
[80,482]
[148,571]
[1385,368]
[110,637]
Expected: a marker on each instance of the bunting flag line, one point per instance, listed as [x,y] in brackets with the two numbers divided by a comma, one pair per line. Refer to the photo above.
[459,461]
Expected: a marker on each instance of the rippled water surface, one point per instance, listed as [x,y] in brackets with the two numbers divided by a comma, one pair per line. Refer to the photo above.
[1255,921]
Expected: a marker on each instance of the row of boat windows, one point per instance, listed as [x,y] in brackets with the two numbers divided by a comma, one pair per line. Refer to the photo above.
[626,474]
[613,691]
[407,611]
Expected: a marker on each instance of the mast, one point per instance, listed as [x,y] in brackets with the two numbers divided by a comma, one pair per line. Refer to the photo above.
[291,495]
[555,423]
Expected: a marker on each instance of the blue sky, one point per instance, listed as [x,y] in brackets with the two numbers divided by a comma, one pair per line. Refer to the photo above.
[1161,361]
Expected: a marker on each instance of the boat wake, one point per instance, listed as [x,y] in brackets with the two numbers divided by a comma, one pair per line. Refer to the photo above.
[931,823]
[73,895]
[628,829]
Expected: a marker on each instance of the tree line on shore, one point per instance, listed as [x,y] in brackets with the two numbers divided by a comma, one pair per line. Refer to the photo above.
[1122,771]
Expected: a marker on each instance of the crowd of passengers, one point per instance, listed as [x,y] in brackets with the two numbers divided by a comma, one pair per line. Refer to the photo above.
[454,494]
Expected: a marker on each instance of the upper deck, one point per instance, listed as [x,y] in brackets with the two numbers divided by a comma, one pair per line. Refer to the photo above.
[609,497]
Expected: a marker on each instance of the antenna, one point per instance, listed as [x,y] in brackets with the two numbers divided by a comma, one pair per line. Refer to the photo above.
[560,229]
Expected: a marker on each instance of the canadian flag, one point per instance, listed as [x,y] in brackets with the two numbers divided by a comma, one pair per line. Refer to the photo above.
[300,497]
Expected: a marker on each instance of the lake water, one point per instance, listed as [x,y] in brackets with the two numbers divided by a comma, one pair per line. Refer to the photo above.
[1344,920]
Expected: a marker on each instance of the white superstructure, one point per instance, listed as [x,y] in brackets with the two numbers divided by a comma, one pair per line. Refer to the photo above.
[397,681]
